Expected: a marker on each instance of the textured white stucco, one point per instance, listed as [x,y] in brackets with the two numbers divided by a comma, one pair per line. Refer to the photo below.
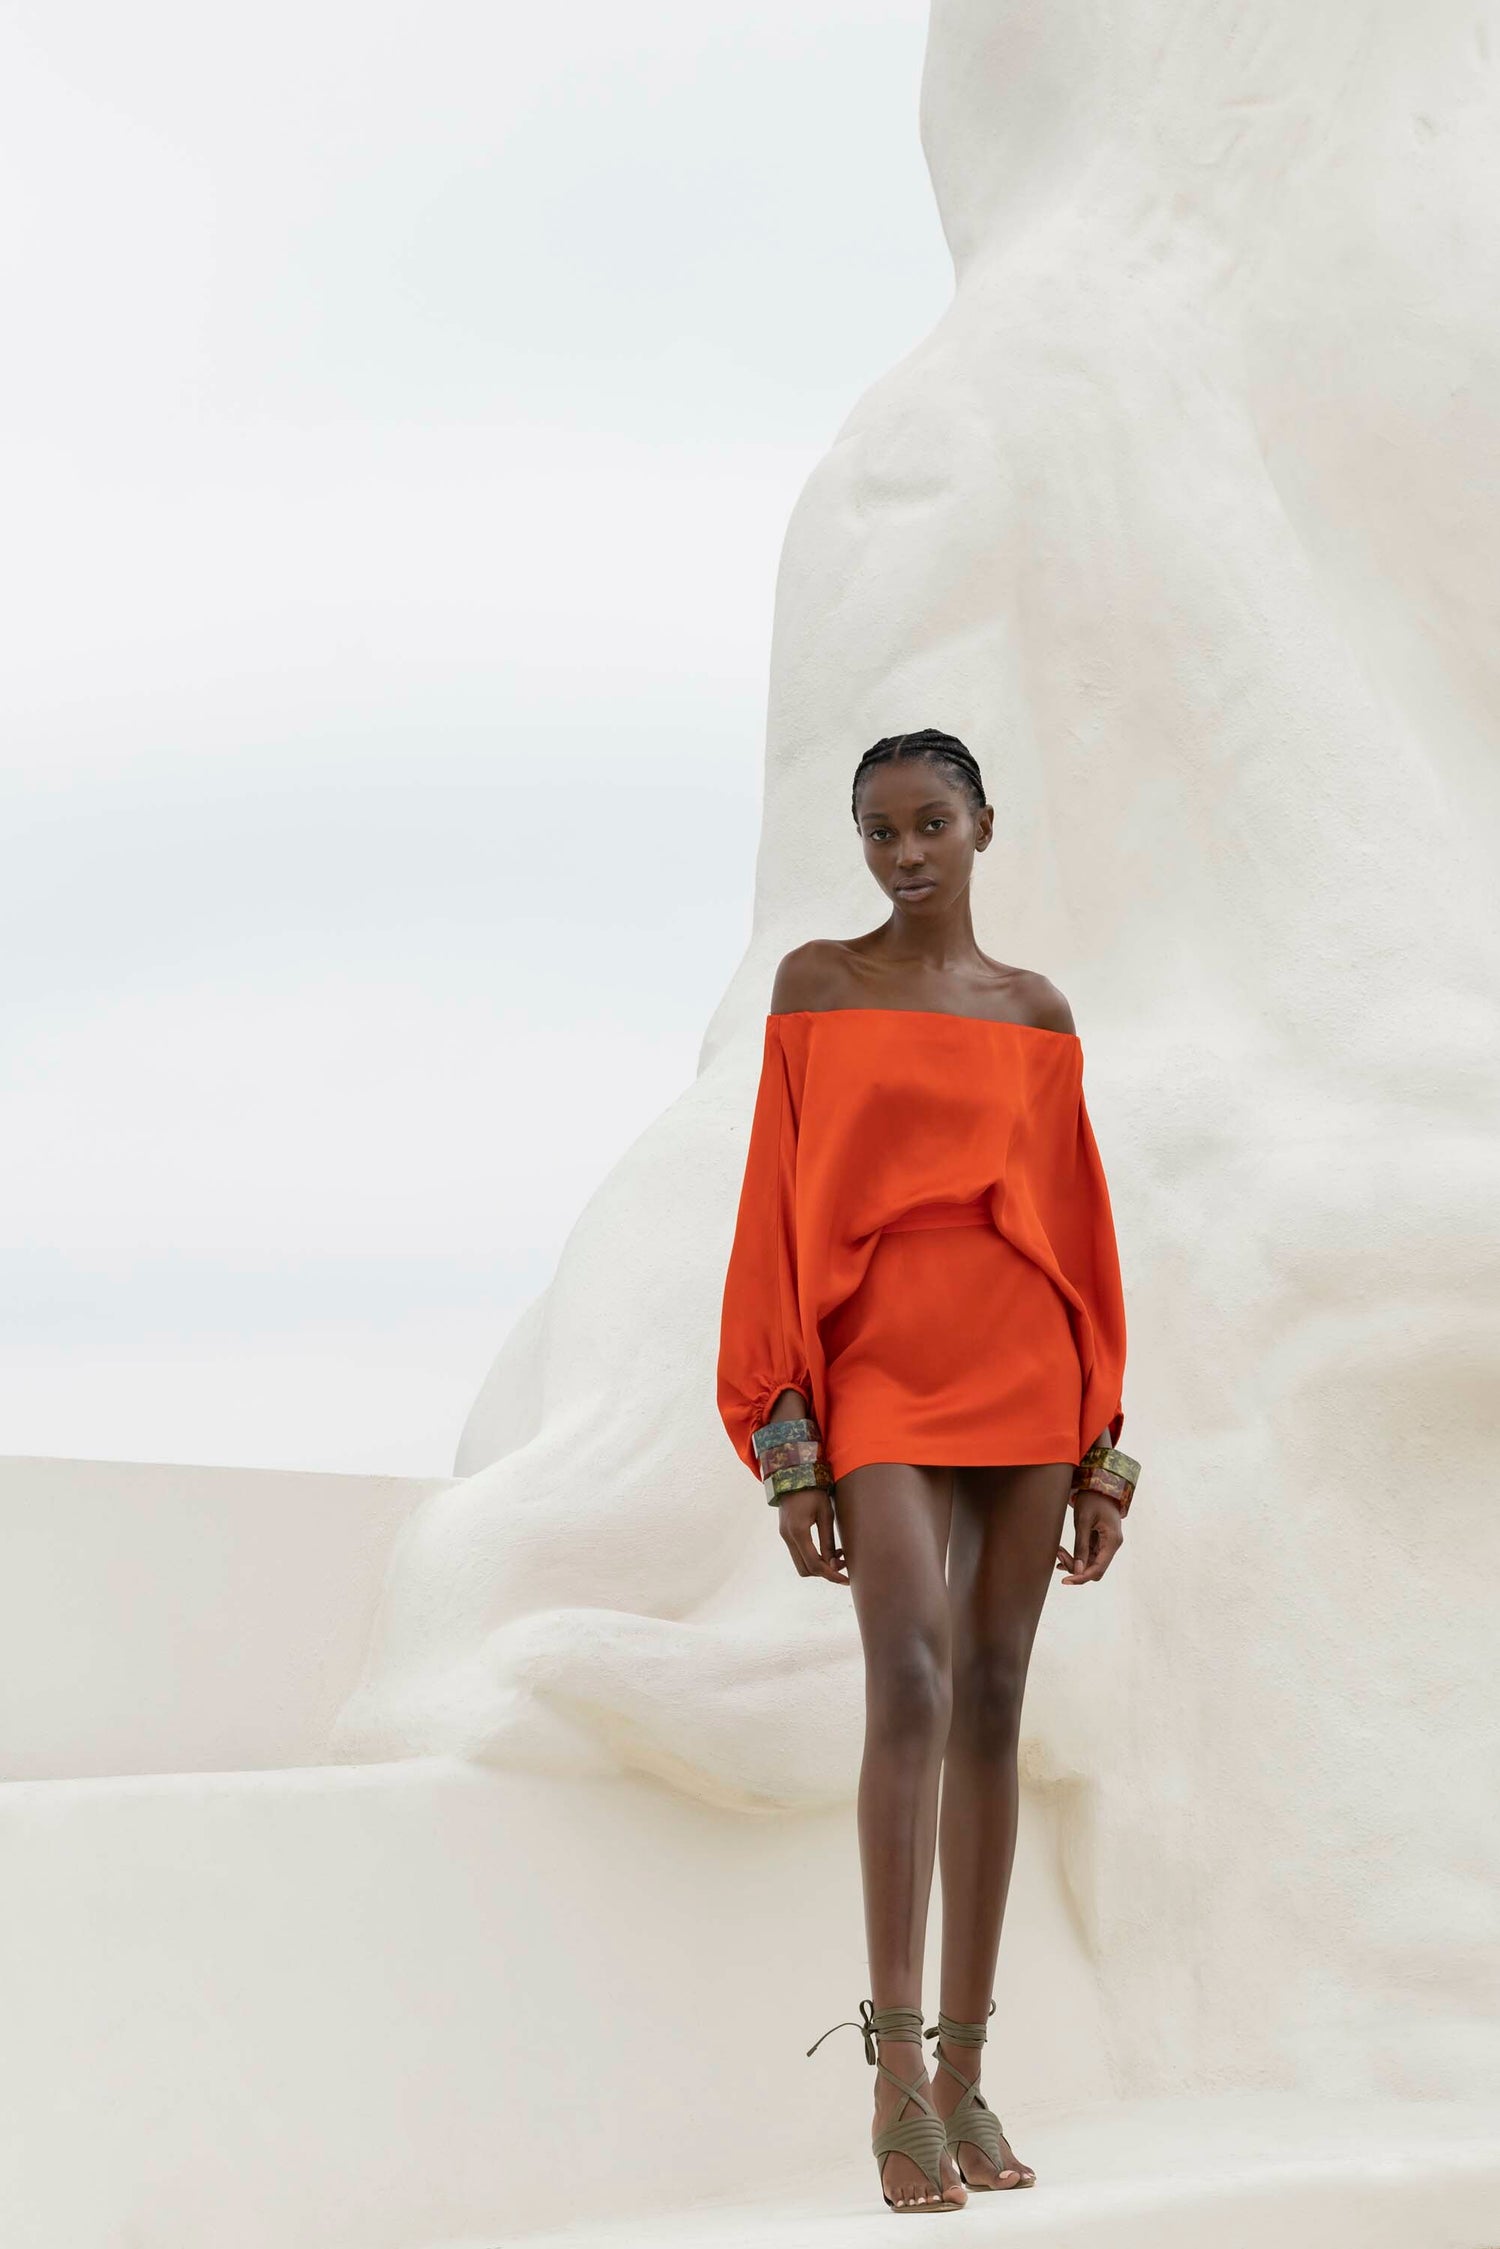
[430,2006]
[160,1618]
[1185,517]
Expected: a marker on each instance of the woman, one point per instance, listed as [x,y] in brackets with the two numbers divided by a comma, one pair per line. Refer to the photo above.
[921,1354]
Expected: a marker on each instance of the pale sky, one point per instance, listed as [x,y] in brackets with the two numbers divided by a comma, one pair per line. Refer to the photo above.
[403,406]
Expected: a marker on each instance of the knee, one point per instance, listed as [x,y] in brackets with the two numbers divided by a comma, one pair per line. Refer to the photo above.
[988,1687]
[909,1692]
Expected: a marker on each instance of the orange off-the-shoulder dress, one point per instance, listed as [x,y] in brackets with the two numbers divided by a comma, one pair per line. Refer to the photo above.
[924,1245]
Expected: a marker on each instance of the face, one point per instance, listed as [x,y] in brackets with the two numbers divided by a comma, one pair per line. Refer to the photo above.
[920,832]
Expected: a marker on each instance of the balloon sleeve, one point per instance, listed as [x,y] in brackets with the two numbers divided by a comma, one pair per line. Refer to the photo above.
[760,1346]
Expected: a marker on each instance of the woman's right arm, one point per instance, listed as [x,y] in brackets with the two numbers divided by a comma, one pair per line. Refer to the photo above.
[761,1360]
[762,1370]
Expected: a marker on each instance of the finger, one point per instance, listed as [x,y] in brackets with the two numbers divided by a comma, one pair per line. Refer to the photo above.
[1079,1558]
[789,1540]
[812,1560]
[833,1554]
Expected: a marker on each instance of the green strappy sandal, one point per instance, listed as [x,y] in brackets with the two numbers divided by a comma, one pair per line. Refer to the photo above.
[921,2137]
[973,2119]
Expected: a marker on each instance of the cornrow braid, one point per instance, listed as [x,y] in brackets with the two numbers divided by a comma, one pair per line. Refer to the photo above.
[945,749]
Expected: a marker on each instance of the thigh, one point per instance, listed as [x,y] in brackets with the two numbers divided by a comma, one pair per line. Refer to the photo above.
[893,1523]
[1006,1528]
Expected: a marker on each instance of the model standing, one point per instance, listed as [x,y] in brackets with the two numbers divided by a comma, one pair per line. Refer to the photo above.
[921,1356]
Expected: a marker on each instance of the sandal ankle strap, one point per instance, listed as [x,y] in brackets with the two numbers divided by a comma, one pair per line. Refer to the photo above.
[878,2022]
[954,2033]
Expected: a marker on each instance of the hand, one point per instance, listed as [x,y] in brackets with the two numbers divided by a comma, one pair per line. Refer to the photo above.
[1097,1538]
[801,1513]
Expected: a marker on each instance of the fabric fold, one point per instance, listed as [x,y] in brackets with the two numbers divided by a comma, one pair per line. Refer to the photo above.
[760,1339]
[862,1115]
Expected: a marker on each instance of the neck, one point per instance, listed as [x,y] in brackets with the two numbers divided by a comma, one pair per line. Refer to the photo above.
[933,941]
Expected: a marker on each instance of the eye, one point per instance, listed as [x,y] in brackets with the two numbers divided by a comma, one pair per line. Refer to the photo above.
[937,821]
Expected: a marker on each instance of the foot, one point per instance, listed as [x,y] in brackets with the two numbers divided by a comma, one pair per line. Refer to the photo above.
[904,2180]
[977,2167]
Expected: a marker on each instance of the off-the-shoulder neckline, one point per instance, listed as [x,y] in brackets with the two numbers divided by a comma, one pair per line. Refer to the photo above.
[931,1014]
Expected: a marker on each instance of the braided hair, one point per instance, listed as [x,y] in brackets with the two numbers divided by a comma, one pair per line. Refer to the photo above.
[943,749]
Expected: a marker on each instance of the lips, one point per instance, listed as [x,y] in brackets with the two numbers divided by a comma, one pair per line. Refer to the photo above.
[913,889]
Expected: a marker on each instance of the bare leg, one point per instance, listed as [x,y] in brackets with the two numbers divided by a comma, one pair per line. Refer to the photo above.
[893,1524]
[1006,1527]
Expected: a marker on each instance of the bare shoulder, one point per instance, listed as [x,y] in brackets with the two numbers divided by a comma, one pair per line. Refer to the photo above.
[814,975]
[1042,1004]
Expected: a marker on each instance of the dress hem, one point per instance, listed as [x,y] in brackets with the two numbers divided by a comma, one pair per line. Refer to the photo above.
[1060,1450]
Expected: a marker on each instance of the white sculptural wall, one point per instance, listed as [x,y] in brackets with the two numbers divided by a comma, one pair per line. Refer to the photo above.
[1184,518]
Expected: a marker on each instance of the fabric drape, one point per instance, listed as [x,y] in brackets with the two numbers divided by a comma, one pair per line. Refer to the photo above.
[863,1114]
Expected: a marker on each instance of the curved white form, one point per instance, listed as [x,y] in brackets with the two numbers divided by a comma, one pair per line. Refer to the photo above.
[1184,517]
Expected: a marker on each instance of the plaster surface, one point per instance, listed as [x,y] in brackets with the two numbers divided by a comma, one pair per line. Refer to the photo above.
[340,2008]
[165,1618]
[1183,515]
[1234,2171]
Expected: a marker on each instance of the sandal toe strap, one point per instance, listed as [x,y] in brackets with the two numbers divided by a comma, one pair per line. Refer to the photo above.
[976,2122]
[921,2137]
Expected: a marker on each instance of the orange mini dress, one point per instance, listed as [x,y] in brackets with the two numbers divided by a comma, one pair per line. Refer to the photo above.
[924,1245]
